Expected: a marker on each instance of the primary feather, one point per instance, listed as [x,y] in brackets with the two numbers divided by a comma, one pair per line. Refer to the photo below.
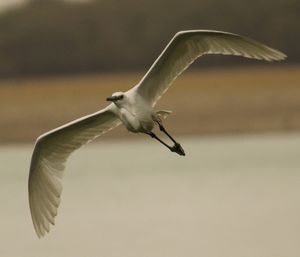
[48,161]
[187,46]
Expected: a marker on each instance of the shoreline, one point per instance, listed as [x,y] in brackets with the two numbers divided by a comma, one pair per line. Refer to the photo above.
[205,102]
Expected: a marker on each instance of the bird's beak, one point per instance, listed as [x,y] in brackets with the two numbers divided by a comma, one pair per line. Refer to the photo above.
[112,98]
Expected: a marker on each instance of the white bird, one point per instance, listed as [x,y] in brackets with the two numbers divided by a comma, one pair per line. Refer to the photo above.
[134,109]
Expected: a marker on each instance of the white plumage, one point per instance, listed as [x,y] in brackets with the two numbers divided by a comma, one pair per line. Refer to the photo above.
[133,108]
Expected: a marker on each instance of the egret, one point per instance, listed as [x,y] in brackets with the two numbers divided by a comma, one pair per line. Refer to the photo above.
[134,109]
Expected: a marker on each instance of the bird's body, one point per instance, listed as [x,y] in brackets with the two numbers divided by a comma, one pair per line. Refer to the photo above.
[134,122]
[135,113]
[134,109]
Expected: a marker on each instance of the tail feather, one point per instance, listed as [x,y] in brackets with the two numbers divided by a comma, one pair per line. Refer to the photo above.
[163,113]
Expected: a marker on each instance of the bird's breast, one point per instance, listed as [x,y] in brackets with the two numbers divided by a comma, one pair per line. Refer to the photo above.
[136,122]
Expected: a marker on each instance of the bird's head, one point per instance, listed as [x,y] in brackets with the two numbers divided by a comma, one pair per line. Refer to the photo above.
[117,98]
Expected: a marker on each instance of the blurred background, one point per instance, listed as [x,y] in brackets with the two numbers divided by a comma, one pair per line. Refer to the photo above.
[234,194]
[69,55]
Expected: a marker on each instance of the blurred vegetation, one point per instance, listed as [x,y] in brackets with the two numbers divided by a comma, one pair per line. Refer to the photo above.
[46,37]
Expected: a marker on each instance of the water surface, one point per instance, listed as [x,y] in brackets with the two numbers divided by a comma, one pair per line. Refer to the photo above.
[229,197]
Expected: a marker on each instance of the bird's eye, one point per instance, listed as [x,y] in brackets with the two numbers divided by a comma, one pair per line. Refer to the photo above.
[121,97]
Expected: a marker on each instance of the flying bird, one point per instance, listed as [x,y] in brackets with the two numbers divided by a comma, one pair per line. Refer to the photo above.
[134,109]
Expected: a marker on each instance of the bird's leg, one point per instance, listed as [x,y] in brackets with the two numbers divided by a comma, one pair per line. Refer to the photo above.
[162,128]
[158,139]
[176,148]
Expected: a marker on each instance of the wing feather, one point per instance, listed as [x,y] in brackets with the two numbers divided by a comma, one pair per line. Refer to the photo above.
[186,46]
[48,162]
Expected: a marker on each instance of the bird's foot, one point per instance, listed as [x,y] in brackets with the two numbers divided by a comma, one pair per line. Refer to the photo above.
[177,149]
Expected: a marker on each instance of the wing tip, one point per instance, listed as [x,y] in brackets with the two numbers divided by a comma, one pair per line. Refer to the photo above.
[276,54]
[40,230]
[41,218]
[273,54]
[281,56]
[184,32]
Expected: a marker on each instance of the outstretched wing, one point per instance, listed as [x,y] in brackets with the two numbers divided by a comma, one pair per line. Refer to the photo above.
[48,161]
[186,46]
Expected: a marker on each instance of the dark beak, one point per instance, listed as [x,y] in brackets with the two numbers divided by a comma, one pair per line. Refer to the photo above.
[112,98]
